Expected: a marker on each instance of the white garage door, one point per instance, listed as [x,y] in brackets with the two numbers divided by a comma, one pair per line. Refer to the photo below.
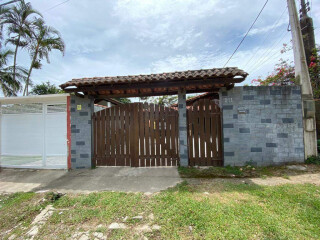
[34,135]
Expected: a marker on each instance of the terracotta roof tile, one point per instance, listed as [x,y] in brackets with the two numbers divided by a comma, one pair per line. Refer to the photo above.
[229,72]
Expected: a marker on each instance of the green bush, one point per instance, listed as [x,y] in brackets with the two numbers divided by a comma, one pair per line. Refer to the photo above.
[313,160]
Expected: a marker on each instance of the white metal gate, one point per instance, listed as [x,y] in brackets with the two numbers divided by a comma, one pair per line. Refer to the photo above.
[34,135]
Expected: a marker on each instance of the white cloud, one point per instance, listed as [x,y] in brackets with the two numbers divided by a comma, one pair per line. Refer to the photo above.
[123,37]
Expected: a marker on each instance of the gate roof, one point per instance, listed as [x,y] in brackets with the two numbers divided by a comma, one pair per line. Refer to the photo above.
[195,81]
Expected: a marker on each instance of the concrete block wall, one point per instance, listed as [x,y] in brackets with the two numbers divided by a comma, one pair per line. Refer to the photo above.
[81,110]
[262,125]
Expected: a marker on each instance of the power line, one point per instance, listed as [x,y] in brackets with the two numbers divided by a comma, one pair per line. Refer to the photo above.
[56,5]
[246,33]
[268,51]
[13,1]
[267,37]
[265,60]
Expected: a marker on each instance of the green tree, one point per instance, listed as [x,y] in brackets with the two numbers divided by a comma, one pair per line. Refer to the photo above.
[123,100]
[10,85]
[20,26]
[284,73]
[166,100]
[314,71]
[3,11]
[43,40]
[45,88]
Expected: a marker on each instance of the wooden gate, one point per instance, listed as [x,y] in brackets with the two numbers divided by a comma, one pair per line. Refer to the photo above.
[204,134]
[137,135]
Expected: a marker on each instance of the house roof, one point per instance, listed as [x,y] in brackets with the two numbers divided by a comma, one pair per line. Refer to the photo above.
[111,100]
[157,84]
[195,98]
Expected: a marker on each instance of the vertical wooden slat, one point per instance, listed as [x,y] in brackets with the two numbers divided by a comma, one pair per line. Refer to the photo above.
[99,139]
[152,136]
[107,147]
[135,135]
[120,156]
[116,121]
[141,135]
[190,136]
[157,135]
[112,137]
[207,132]
[201,129]
[146,133]
[167,134]
[127,134]
[162,140]
[214,131]
[172,135]
[94,122]
[196,132]
[103,138]
[220,153]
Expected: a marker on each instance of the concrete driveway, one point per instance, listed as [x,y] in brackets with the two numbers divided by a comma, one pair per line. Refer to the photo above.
[125,179]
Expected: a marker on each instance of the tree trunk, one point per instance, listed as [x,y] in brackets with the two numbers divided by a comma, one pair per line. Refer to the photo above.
[15,59]
[26,88]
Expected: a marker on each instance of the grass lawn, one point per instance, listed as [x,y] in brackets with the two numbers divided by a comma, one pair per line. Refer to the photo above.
[189,211]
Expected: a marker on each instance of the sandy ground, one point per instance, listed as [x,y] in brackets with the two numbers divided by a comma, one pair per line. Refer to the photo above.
[311,178]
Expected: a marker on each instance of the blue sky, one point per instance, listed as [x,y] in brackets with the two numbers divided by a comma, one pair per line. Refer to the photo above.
[126,37]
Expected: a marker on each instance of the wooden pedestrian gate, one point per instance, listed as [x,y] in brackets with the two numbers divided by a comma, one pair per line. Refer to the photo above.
[137,135]
[204,134]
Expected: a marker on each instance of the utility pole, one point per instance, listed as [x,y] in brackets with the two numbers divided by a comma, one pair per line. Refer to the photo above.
[302,75]
[307,30]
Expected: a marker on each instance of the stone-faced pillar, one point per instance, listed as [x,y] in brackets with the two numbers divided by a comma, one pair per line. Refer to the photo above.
[81,110]
[183,142]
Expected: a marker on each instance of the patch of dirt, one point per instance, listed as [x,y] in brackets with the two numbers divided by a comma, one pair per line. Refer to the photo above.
[312,178]
[297,179]
[249,171]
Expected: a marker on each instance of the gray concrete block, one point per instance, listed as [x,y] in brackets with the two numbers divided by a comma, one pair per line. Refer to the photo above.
[244,130]
[228,154]
[227,107]
[287,120]
[271,145]
[265,102]
[282,135]
[255,149]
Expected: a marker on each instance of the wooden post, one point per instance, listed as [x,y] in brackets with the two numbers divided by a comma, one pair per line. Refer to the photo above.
[134,136]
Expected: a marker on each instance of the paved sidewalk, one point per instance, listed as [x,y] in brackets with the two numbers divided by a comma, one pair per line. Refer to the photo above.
[90,180]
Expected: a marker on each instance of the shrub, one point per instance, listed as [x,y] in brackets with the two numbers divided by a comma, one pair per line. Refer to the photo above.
[313,160]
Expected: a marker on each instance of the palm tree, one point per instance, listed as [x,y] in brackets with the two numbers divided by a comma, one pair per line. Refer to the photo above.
[8,84]
[44,39]
[3,11]
[20,25]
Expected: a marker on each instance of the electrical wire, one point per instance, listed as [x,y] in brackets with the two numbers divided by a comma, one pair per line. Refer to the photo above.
[56,6]
[268,51]
[246,33]
[266,60]
[266,38]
